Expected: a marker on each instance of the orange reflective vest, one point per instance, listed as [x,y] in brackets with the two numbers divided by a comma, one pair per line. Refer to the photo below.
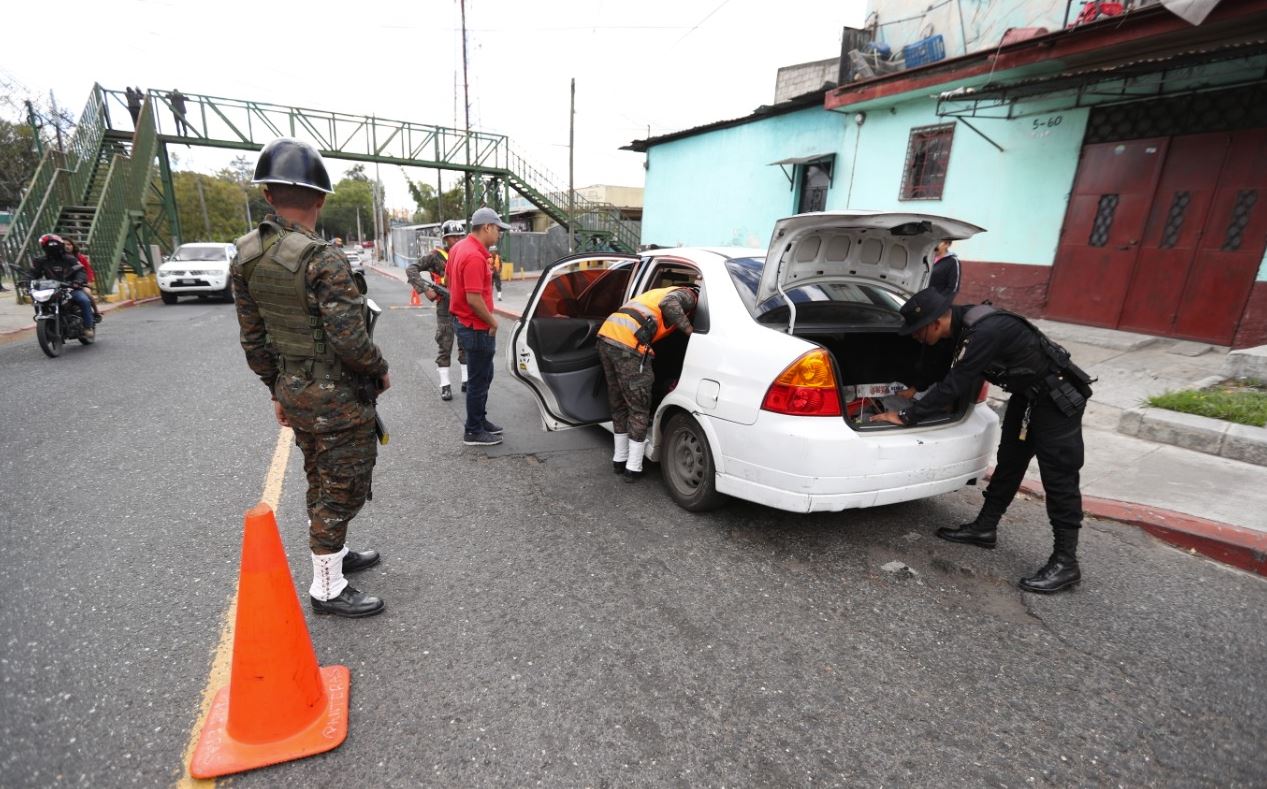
[621,325]
[437,278]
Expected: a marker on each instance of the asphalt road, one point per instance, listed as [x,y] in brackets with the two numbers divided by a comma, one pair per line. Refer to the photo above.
[550,625]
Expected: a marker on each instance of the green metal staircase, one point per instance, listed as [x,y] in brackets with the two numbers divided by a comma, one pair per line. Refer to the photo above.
[93,193]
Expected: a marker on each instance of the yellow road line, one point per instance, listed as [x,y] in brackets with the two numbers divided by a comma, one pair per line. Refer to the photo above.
[223,656]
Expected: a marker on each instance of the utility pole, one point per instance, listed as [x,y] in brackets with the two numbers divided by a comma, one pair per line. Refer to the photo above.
[57,121]
[35,128]
[359,237]
[571,171]
[202,200]
[246,199]
[466,100]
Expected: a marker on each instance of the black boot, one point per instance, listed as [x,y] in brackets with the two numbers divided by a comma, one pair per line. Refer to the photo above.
[618,466]
[351,603]
[446,392]
[1061,570]
[359,560]
[631,476]
[971,533]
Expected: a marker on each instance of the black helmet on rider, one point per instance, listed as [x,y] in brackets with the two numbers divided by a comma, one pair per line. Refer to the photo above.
[52,243]
[294,162]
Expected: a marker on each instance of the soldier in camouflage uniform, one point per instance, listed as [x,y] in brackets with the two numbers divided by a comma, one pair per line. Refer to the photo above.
[435,264]
[624,348]
[303,328]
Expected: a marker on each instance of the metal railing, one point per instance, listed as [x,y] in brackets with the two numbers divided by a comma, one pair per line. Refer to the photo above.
[122,200]
[24,222]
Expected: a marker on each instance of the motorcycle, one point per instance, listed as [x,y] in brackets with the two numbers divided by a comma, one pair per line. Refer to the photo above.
[58,319]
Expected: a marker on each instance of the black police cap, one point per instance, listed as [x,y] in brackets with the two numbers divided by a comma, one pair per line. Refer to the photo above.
[289,161]
[923,308]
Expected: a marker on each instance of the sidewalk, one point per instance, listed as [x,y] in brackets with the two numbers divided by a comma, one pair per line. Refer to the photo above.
[1206,503]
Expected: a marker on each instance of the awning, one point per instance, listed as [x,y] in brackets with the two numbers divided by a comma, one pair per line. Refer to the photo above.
[825,160]
[1118,83]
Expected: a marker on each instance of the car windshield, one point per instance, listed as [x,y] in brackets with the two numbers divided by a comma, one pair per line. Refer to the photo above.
[847,302]
[201,254]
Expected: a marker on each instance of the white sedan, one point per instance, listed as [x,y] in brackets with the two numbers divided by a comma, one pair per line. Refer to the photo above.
[197,270]
[793,351]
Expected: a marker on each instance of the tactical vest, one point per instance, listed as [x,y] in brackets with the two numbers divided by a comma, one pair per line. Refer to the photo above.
[639,323]
[275,266]
[1063,380]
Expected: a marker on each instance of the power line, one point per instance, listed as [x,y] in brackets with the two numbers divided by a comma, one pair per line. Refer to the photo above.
[696,26]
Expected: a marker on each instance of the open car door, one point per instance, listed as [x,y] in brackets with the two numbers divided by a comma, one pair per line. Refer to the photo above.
[553,346]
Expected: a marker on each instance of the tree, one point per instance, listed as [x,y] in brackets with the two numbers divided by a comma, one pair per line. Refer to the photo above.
[424,196]
[357,173]
[225,218]
[339,216]
[18,160]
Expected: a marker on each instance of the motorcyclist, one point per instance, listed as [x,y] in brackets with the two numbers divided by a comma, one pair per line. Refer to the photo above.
[57,264]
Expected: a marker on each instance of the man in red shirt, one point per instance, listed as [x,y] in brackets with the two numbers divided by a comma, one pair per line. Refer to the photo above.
[471,304]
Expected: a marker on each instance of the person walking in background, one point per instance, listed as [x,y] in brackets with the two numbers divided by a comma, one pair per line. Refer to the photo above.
[135,97]
[177,100]
[435,264]
[945,276]
[495,262]
[471,302]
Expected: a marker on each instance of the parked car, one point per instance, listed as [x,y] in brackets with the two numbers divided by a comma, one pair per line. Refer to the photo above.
[358,267]
[197,270]
[794,348]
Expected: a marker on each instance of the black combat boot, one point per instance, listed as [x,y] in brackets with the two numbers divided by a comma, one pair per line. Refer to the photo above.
[631,476]
[359,560]
[1061,570]
[618,466]
[446,392]
[351,603]
[971,533]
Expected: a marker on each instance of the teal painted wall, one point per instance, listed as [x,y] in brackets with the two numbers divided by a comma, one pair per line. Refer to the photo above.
[718,188]
[1018,195]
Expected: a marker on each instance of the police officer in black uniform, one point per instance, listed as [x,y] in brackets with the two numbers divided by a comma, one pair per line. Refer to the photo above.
[1043,418]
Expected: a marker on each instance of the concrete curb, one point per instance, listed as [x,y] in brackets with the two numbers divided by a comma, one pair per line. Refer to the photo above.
[1245,443]
[1242,548]
[104,308]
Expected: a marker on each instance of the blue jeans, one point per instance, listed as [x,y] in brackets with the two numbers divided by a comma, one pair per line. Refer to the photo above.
[481,348]
[85,306]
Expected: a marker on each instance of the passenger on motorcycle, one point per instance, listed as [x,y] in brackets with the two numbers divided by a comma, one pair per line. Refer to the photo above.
[58,265]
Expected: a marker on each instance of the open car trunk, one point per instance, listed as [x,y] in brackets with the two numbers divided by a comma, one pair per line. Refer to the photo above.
[873,365]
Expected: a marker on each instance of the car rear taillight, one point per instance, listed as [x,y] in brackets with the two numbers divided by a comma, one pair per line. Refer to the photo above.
[806,388]
[984,393]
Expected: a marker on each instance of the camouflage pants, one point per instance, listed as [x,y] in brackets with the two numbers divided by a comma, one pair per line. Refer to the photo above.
[628,389]
[444,341]
[339,466]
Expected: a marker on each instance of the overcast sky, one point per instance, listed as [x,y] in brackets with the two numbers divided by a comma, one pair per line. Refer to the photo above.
[654,65]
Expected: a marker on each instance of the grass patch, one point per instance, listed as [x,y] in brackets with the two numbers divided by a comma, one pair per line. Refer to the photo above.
[1241,401]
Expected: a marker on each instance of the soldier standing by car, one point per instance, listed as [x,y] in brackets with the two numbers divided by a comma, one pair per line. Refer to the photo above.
[436,263]
[1043,418]
[624,348]
[303,328]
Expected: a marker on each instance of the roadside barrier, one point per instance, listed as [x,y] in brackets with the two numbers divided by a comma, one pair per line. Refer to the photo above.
[279,705]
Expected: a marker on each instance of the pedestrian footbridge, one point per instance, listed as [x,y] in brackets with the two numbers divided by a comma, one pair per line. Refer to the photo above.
[111,188]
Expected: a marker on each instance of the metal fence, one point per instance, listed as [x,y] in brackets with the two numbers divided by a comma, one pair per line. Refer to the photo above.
[528,251]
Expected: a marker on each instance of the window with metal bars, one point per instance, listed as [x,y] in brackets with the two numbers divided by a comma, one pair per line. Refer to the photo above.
[927,154]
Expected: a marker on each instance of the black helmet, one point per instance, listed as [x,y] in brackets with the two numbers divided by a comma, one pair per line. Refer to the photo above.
[51,242]
[289,161]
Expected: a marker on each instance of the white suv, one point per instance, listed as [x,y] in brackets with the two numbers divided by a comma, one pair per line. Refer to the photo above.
[198,270]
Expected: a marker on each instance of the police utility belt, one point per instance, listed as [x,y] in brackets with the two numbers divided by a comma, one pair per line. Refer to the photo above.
[1066,384]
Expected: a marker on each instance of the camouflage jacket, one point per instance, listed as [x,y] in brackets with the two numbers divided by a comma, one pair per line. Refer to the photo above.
[432,263]
[312,405]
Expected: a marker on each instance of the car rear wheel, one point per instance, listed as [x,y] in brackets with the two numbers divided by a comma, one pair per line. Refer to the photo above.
[168,298]
[687,466]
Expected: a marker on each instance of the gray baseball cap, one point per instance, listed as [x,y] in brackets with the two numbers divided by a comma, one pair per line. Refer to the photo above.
[487,216]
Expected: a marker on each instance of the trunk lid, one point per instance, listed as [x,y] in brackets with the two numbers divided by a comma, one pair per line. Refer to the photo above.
[890,249]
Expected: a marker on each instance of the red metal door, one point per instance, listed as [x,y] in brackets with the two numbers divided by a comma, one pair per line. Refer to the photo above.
[1099,242]
[1231,248]
[1184,194]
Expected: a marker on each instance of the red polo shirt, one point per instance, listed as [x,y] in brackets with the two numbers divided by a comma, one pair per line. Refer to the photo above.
[468,272]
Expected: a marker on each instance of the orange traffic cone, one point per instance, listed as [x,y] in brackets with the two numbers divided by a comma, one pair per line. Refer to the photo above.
[279,705]
[414,301]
